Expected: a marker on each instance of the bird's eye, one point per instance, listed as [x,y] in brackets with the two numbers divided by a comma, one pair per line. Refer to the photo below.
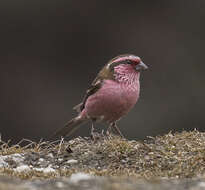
[129,62]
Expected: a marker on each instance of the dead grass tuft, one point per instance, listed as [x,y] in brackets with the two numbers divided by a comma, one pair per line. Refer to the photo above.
[174,155]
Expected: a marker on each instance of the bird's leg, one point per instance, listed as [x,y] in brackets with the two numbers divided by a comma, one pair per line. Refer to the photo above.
[114,126]
[92,133]
[108,130]
[102,133]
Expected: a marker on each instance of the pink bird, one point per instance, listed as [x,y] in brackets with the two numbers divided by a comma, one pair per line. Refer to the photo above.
[111,95]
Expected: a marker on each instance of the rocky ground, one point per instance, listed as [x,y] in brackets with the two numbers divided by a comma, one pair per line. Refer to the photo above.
[170,161]
[87,182]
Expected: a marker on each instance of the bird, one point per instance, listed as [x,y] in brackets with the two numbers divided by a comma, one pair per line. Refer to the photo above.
[111,95]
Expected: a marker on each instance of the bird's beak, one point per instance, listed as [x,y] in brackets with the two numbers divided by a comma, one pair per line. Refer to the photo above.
[141,66]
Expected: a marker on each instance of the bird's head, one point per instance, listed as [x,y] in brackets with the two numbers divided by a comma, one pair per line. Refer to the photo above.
[128,61]
[122,65]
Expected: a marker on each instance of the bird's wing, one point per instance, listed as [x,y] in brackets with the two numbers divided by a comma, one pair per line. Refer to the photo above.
[95,86]
[105,74]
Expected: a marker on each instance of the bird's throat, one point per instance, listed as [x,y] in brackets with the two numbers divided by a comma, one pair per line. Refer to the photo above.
[126,75]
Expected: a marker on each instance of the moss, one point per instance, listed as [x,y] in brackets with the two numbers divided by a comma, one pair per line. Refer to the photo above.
[174,155]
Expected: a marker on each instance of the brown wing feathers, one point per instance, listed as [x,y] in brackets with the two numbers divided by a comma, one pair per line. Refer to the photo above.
[105,73]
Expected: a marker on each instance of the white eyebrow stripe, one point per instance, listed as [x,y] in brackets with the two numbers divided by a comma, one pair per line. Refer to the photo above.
[120,59]
[123,58]
[130,57]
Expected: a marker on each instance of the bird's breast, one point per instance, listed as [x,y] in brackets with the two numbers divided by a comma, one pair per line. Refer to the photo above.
[112,100]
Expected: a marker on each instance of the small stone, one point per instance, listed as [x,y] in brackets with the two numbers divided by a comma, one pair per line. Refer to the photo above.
[123,161]
[72,161]
[146,157]
[41,160]
[59,184]
[49,170]
[75,178]
[201,184]
[22,168]
[3,164]
[39,169]
[17,157]
[50,155]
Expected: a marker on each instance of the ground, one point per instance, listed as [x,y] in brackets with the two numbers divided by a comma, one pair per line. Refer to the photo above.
[171,156]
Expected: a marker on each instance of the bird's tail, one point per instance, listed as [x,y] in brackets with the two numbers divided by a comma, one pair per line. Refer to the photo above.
[69,127]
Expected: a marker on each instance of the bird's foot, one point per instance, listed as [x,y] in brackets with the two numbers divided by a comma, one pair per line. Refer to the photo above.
[96,136]
[114,126]
[108,133]
[92,133]
[103,133]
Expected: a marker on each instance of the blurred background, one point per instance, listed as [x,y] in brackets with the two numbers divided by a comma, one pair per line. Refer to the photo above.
[50,51]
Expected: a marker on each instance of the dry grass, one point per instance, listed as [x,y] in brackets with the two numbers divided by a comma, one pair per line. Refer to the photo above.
[178,155]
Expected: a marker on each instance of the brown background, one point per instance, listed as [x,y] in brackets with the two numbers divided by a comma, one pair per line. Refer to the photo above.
[50,51]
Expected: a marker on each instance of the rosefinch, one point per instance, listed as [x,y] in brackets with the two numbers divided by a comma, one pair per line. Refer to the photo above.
[111,95]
